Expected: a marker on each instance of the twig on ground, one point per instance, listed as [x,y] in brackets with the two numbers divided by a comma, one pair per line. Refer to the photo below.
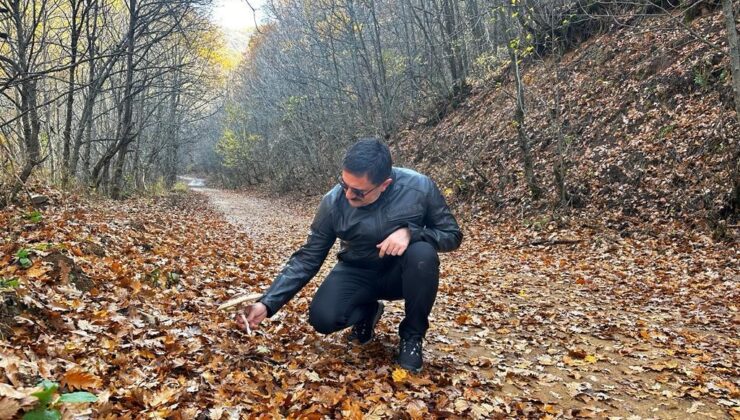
[555,242]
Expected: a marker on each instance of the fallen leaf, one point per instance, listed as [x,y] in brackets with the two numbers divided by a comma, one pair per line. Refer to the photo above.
[545,360]
[400,375]
[36,272]
[8,408]
[77,379]
[417,409]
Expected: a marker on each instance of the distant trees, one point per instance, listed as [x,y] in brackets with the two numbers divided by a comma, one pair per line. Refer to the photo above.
[100,92]
[324,71]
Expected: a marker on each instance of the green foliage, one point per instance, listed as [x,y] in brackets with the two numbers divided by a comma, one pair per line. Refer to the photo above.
[235,151]
[173,279]
[158,188]
[158,279]
[664,131]
[43,414]
[701,78]
[153,277]
[46,394]
[23,257]
[180,187]
[34,216]
[538,223]
[292,105]
[47,408]
[9,283]
[395,64]
[77,398]
[45,246]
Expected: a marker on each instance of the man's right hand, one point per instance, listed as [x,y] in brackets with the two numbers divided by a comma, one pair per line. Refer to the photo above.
[253,314]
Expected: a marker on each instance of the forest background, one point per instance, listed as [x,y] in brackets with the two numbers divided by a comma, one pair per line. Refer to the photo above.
[607,105]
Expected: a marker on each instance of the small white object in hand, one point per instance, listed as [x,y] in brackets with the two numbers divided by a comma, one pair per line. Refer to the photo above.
[249,330]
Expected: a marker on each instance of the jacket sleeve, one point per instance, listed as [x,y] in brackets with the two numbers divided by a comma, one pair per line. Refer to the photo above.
[440,227]
[304,263]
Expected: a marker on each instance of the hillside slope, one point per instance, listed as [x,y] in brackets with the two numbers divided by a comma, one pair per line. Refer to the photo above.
[647,113]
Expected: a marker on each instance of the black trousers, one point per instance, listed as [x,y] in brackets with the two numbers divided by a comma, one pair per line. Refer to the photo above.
[349,294]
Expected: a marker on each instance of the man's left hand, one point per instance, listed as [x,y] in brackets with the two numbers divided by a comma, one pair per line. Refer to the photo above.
[396,243]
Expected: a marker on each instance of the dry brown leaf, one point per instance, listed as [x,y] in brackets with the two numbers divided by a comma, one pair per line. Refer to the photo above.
[8,391]
[164,396]
[417,409]
[77,379]
[8,408]
[36,272]
[351,409]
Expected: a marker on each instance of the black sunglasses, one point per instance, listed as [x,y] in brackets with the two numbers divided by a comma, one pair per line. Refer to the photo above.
[357,193]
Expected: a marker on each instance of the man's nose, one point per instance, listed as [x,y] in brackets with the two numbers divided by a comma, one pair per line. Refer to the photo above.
[349,194]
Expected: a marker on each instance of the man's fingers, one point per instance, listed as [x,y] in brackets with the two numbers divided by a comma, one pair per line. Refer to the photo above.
[384,248]
[254,322]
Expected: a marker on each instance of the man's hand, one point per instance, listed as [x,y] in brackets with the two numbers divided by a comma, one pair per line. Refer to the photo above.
[396,243]
[251,316]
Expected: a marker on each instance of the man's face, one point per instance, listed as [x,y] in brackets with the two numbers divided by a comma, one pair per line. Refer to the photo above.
[359,190]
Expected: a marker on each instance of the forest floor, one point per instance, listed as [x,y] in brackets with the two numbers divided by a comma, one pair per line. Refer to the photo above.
[538,321]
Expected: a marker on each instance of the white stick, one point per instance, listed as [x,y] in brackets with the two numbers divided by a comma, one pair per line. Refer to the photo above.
[237,300]
[246,324]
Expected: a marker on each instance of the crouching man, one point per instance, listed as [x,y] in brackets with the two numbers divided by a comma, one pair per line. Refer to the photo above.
[391,222]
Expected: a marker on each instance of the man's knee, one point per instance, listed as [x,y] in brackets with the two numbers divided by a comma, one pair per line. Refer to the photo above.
[322,319]
[422,255]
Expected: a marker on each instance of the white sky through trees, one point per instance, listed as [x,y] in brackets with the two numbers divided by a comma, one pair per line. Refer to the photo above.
[237,21]
[236,14]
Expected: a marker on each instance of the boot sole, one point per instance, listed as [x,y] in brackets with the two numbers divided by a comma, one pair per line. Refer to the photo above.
[409,368]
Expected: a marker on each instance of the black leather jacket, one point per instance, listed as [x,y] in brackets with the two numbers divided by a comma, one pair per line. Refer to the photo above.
[412,200]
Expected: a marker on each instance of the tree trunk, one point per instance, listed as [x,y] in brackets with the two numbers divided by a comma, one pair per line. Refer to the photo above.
[70,95]
[523,139]
[126,127]
[734,52]
[173,132]
[476,26]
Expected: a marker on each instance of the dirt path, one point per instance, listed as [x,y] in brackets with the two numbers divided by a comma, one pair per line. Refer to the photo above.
[606,326]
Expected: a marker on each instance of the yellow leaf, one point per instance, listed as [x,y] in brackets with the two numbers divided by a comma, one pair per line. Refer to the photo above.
[549,409]
[400,375]
[35,272]
[590,359]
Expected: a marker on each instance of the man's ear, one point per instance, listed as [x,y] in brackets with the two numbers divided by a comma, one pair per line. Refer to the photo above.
[387,182]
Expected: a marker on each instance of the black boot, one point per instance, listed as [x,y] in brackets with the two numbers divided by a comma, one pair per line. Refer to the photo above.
[409,354]
[364,331]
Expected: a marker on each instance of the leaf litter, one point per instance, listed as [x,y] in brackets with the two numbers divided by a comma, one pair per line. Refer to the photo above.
[638,327]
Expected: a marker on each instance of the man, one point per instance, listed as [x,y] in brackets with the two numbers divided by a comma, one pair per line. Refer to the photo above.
[391,223]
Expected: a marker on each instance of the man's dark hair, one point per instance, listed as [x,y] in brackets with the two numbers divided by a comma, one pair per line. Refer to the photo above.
[371,157]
